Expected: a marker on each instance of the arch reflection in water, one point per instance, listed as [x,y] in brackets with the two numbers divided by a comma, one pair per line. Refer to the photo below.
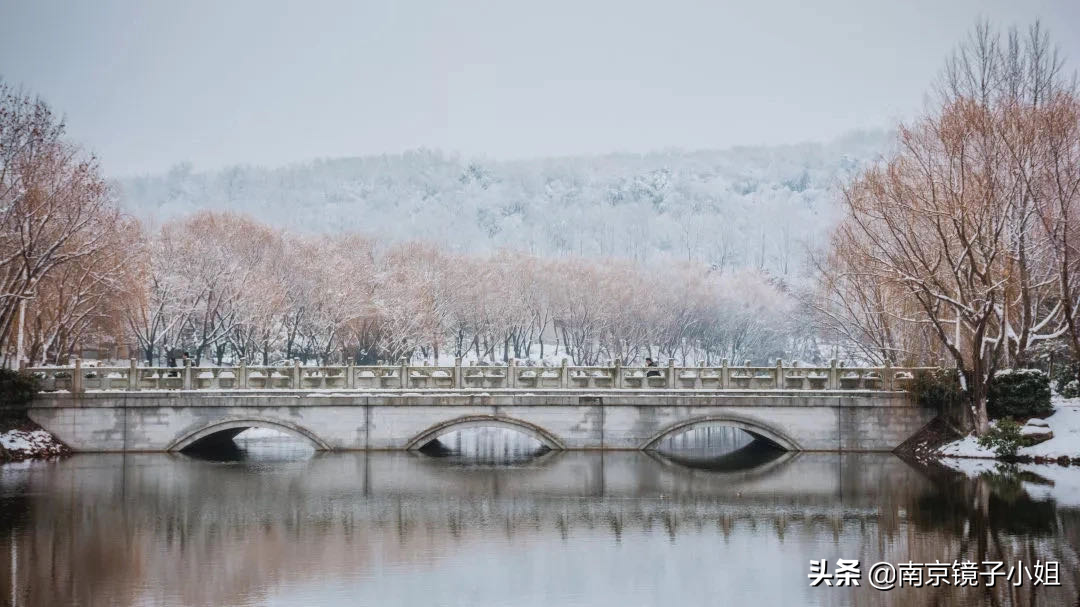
[250,444]
[485,445]
[715,446]
[584,528]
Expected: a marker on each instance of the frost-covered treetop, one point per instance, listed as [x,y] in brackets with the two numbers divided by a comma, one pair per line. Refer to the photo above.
[741,207]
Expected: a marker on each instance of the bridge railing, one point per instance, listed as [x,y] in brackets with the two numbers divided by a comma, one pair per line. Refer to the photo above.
[403,376]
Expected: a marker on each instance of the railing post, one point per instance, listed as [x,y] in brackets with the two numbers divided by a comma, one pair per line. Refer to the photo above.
[242,376]
[617,381]
[564,376]
[187,373]
[133,374]
[350,374]
[77,377]
[887,377]
[22,366]
[458,384]
[779,374]
[297,379]
[725,375]
[671,374]
[404,373]
[511,373]
[834,376]
[700,371]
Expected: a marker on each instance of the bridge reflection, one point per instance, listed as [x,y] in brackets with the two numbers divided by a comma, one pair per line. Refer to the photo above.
[103,528]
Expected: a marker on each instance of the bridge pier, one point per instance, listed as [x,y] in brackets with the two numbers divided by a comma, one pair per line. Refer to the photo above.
[562,419]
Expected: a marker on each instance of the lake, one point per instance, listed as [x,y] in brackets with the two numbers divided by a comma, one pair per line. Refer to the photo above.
[485,520]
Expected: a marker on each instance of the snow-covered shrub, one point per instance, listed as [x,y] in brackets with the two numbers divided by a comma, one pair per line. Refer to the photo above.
[937,389]
[1004,438]
[1070,390]
[16,388]
[1019,393]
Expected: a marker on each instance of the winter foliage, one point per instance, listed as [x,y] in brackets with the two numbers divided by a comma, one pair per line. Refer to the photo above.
[689,255]
[750,207]
[227,288]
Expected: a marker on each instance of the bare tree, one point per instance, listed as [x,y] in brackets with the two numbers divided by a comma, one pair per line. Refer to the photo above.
[55,208]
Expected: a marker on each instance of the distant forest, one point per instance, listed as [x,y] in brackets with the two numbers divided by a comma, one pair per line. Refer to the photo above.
[741,208]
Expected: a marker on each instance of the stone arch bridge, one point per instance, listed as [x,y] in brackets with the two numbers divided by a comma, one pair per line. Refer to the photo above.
[357,408]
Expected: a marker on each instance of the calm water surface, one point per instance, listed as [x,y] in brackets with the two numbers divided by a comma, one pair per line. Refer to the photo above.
[485,521]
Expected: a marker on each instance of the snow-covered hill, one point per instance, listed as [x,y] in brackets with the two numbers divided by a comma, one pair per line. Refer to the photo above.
[741,207]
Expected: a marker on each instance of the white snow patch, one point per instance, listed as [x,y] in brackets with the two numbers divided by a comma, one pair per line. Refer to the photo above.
[966,447]
[35,443]
[1033,430]
[1064,422]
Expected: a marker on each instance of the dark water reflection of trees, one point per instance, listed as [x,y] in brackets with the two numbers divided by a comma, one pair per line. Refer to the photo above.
[167,529]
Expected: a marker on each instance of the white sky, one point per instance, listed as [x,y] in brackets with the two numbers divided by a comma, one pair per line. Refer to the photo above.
[148,84]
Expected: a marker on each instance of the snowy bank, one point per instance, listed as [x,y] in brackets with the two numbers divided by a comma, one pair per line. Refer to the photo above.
[16,445]
[1064,422]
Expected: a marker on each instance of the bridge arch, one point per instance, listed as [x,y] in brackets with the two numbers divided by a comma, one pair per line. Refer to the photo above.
[485,421]
[758,429]
[242,423]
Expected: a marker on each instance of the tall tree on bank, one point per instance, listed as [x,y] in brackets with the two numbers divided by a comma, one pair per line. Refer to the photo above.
[945,238]
[55,207]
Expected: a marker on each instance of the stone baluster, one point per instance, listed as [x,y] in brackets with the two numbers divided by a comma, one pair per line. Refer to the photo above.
[187,373]
[617,381]
[511,373]
[700,372]
[725,375]
[458,383]
[404,373]
[833,382]
[350,373]
[887,377]
[77,377]
[564,375]
[297,378]
[133,374]
[672,381]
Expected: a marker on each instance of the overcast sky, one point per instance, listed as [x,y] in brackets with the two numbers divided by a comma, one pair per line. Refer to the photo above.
[148,84]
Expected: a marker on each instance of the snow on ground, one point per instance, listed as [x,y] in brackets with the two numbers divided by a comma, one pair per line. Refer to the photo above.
[1064,422]
[37,443]
[966,447]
